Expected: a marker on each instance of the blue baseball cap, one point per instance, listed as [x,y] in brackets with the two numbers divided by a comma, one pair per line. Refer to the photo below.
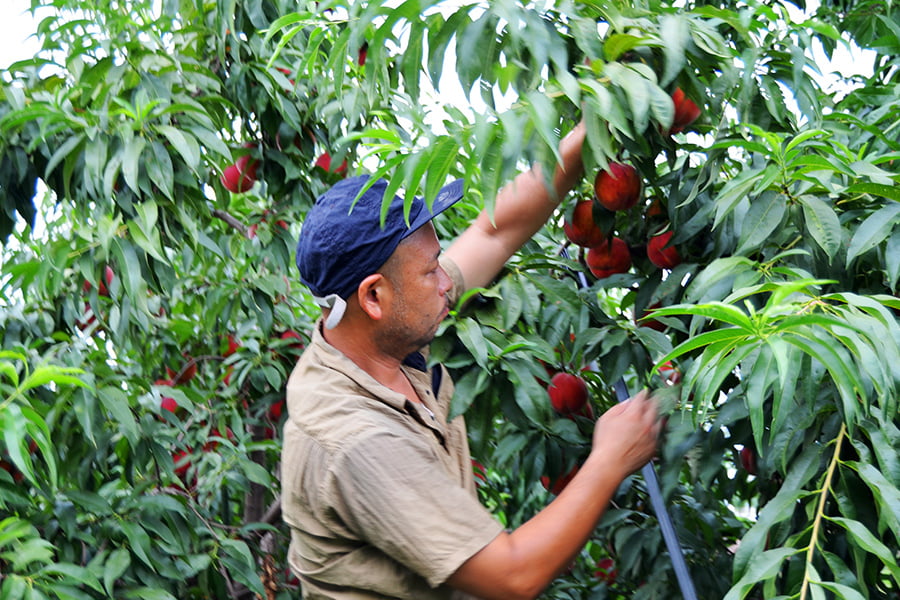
[342,240]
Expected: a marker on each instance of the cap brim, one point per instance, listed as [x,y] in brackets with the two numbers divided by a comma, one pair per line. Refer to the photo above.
[446,197]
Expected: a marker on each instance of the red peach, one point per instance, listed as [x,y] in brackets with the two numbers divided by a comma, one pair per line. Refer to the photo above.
[619,187]
[608,258]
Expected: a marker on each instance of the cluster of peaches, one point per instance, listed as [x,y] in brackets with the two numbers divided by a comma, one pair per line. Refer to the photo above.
[619,188]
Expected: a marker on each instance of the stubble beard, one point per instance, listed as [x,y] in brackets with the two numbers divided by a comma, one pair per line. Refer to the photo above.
[399,339]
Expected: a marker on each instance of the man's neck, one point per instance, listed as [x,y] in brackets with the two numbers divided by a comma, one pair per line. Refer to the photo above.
[384,368]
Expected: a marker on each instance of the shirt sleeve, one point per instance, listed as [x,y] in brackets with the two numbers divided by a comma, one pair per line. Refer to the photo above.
[455,275]
[394,493]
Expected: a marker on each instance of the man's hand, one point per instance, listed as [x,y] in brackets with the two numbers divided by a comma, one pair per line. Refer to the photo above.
[626,435]
[521,564]
[521,209]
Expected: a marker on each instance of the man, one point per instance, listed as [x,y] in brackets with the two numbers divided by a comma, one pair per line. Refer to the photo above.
[377,486]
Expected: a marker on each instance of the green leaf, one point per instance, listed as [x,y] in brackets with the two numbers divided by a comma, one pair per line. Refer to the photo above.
[131,161]
[115,566]
[511,292]
[764,217]
[661,106]
[544,119]
[139,541]
[31,550]
[444,155]
[873,231]
[70,571]
[62,153]
[762,568]
[778,509]
[636,90]
[146,593]
[886,494]
[617,44]
[184,143]
[675,30]
[53,374]
[719,311]
[469,332]
[718,271]
[802,137]
[529,394]
[762,375]
[116,402]
[160,169]
[892,259]
[736,189]
[822,223]
[510,446]
[843,592]
[241,564]
[835,360]
[466,389]
[708,39]
[866,540]
[709,337]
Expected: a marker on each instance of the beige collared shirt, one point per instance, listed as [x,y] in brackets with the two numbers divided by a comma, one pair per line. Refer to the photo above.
[378,491]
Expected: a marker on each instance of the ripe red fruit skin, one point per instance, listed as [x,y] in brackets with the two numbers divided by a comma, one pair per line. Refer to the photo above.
[276,410]
[659,254]
[324,162]
[586,411]
[478,470]
[606,570]
[686,111]
[556,487]
[670,373]
[182,462]
[568,393]
[608,258]
[286,72]
[105,282]
[168,403]
[618,188]
[108,275]
[293,335]
[656,209]
[582,230]
[233,345]
[748,460]
[643,321]
[83,323]
[212,445]
[361,56]
[10,468]
[240,176]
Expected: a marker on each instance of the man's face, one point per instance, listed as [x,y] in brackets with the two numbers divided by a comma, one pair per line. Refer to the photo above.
[419,300]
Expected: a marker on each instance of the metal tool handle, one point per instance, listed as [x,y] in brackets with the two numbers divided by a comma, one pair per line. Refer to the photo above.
[662,515]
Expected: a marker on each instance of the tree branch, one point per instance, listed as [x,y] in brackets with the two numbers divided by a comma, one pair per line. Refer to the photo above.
[221,214]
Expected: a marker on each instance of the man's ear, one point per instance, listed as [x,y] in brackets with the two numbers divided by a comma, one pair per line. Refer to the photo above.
[371,294]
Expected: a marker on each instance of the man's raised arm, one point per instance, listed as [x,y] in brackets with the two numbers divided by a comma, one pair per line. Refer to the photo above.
[521,209]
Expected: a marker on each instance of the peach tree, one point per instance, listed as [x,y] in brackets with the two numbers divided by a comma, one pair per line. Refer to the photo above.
[155,166]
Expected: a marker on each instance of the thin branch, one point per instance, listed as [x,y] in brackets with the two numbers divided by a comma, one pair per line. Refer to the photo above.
[221,214]
[820,510]
[273,513]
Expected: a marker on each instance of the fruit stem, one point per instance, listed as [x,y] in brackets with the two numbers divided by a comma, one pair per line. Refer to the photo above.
[820,510]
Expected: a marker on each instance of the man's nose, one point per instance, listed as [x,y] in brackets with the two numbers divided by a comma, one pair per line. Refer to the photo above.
[446,282]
